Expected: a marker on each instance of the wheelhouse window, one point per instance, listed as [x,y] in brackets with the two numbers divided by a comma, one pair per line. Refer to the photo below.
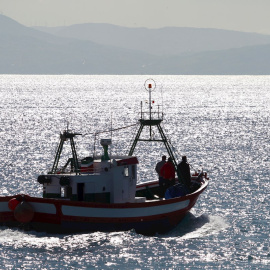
[63,192]
[126,174]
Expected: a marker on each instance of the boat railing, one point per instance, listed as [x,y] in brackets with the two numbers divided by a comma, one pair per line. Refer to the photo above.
[83,170]
[154,115]
[93,170]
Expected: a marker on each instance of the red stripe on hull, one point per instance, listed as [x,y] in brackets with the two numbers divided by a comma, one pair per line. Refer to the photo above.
[57,222]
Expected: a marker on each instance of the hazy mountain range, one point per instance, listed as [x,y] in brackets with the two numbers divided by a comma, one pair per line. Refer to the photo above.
[109,49]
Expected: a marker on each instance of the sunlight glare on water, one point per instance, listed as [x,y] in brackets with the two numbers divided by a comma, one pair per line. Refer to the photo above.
[221,123]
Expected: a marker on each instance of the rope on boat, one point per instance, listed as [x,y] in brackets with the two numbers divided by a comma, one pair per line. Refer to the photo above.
[106,131]
[176,152]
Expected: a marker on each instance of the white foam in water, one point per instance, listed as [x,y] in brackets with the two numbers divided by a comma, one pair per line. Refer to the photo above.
[18,238]
[215,225]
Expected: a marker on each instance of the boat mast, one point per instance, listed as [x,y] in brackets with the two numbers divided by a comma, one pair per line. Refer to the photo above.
[153,120]
[66,135]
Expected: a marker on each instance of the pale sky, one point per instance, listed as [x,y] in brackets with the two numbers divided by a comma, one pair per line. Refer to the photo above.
[240,15]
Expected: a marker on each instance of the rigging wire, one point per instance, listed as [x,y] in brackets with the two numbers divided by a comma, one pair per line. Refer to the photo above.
[105,131]
[110,130]
[131,142]
[176,151]
[171,145]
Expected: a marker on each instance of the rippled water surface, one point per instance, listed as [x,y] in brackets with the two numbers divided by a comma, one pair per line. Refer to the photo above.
[220,122]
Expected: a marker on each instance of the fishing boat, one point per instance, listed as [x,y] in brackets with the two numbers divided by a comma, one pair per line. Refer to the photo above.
[101,193]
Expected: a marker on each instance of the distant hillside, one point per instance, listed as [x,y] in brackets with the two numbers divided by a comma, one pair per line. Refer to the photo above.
[164,41]
[253,60]
[24,50]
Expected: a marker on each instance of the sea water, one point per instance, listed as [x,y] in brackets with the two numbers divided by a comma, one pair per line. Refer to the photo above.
[221,123]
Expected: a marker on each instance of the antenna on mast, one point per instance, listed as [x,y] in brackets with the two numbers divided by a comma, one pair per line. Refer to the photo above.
[153,122]
[150,86]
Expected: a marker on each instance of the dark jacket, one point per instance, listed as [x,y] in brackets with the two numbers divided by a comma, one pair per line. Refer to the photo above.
[183,171]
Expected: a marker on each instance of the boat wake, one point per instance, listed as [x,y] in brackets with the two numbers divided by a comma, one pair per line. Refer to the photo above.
[198,227]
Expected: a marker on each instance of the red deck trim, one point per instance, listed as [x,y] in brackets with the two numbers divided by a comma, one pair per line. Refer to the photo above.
[127,161]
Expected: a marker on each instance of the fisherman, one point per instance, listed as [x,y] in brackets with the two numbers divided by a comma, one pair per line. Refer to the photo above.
[168,173]
[158,168]
[183,171]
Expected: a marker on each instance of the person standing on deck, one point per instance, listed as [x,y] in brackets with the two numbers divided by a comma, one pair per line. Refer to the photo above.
[168,173]
[158,168]
[183,171]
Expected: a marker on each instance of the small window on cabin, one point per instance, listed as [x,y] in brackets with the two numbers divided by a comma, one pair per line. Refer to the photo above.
[63,192]
[126,171]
